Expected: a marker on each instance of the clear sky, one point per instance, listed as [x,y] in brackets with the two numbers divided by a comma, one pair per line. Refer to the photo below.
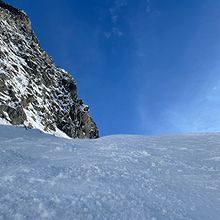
[143,66]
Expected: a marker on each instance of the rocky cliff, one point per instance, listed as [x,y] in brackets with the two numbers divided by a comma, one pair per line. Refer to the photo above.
[33,91]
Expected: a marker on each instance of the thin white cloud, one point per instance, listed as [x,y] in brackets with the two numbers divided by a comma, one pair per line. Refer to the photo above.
[117,31]
[150,10]
[114,18]
[199,112]
[107,34]
[148,7]
[114,12]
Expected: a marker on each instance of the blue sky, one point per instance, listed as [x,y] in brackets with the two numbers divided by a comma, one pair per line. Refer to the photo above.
[143,67]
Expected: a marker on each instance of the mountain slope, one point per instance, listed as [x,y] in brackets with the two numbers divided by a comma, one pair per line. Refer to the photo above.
[117,177]
[33,91]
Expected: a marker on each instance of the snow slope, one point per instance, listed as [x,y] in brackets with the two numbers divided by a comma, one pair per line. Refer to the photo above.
[116,177]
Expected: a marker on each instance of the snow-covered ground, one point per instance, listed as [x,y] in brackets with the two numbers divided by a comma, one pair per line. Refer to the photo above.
[116,177]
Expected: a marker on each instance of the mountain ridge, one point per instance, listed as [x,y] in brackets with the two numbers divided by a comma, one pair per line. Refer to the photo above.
[34,92]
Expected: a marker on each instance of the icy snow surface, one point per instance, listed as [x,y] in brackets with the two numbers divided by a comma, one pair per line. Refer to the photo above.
[116,177]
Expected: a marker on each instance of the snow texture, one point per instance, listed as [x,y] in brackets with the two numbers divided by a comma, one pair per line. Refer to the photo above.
[116,177]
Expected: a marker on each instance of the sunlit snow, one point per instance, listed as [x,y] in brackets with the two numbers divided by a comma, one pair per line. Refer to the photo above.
[116,177]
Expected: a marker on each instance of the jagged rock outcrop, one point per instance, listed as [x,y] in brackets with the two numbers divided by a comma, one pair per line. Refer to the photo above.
[33,91]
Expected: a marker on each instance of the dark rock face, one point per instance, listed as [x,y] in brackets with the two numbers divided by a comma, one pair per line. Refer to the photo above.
[33,91]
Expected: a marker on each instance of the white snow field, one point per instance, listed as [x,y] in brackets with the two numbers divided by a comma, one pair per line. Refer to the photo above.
[116,177]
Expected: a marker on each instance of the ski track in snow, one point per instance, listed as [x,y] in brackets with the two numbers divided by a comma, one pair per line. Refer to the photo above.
[115,177]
